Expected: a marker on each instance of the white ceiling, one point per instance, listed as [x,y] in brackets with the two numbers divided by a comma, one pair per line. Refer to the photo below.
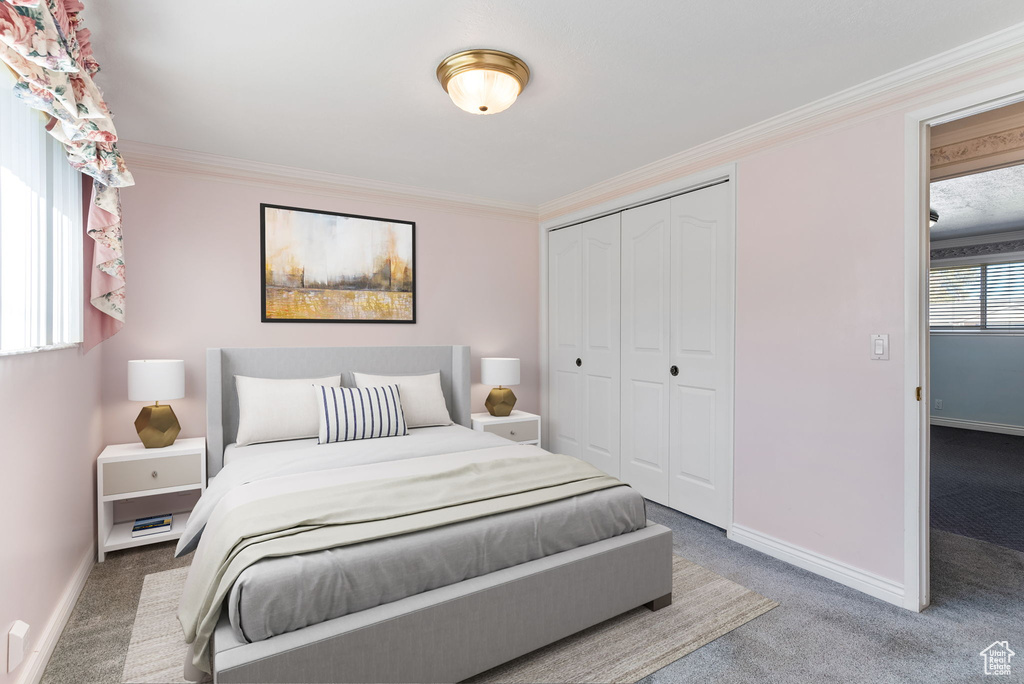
[979,204]
[348,86]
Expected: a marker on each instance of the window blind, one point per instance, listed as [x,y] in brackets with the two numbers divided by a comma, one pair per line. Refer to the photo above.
[1004,289]
[40,233]
[983,296]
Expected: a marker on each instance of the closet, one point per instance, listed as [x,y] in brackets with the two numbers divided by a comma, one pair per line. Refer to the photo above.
[583,300]
[640,349]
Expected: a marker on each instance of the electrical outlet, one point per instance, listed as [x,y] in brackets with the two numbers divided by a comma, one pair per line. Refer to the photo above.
[938,404]
[17,644]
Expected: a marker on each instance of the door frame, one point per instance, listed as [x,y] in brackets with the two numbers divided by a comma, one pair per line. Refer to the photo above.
[917,414]
[689,183]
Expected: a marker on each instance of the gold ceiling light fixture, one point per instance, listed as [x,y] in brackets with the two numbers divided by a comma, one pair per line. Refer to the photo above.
[483,81]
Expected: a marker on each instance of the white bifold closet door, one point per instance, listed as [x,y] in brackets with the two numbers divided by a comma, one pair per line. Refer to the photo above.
[583,343]
[646,275]
[677,352]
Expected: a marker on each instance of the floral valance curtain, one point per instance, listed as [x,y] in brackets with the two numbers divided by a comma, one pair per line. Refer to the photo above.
[45,45]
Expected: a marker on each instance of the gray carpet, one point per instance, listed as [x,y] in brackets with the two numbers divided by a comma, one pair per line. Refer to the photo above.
[824,632]
[978,485]
[821,631]
[95,641]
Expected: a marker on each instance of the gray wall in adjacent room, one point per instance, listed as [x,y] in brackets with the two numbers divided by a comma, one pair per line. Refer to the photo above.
[979,377]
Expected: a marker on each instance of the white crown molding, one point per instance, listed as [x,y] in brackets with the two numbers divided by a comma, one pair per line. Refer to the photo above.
[139,155]
[968,67]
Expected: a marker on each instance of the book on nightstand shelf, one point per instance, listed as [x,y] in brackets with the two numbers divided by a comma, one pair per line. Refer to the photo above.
[152,525]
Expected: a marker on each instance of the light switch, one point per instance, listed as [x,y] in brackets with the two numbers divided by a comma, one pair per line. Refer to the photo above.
[879,347]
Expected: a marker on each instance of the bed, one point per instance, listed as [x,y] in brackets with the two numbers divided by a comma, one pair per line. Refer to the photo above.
[438,604]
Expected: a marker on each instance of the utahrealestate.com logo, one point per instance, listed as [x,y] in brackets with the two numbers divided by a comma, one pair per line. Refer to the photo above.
[997,658]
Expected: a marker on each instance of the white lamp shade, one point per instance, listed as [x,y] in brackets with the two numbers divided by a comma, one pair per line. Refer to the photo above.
[156,380]
[496,371]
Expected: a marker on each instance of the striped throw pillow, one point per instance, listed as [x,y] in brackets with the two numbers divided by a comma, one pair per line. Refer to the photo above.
[348,413]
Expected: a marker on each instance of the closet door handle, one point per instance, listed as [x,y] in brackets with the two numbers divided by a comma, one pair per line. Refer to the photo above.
[674,370]
[579,362]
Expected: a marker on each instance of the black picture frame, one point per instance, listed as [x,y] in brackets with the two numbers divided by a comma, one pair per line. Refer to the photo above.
[263,268]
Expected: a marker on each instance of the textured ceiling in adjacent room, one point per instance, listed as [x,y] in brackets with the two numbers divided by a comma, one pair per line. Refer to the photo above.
[983,203]
[349,87]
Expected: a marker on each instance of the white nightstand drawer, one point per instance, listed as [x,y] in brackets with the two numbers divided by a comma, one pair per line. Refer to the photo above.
[522,431]
[152,473]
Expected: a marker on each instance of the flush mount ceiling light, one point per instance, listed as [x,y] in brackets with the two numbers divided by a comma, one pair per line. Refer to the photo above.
[933,217]
[483,81]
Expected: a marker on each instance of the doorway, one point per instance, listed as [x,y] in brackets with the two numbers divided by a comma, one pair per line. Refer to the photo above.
[961,305]
[976,327]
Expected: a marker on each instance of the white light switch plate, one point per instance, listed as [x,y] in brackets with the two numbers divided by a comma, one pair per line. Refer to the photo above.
[879,347]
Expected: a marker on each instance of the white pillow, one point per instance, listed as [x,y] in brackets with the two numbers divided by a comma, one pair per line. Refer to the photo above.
[271,410]
[348,413]
[422,398]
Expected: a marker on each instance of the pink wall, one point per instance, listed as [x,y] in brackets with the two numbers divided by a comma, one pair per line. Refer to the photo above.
[819,459]
[192,251]
[50,412]
[819,426]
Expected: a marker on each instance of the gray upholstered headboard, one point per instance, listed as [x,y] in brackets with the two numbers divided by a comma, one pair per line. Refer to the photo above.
[222,365]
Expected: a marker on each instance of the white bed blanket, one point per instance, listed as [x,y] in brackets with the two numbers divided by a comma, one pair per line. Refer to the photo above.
[262,461]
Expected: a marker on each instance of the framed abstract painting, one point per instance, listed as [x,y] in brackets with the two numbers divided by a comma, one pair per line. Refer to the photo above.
[326,267]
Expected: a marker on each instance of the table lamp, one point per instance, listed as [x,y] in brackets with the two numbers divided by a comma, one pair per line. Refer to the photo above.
[497,371]
[156,380]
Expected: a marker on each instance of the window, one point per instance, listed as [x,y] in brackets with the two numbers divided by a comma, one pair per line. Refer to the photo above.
[40,233]
[977,297]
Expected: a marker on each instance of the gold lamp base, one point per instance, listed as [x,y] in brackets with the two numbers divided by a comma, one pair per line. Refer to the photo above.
[500,401]
[157,426]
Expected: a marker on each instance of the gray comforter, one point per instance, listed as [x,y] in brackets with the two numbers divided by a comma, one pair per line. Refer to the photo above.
[279,595]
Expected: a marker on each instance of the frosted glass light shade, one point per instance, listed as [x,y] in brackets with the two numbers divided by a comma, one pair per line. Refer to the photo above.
[499,371]
[156,380]
[482,81]
[483,91]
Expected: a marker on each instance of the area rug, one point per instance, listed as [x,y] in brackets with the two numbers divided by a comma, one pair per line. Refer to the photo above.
[156,651]
[631,646]
[626,648]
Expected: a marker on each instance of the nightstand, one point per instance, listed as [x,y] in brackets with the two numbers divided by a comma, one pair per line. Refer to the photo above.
[519,426]
[146,482]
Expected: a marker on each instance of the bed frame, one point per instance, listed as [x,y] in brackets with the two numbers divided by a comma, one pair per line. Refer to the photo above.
[451,633]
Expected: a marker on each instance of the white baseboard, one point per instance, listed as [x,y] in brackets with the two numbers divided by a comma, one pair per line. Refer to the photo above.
[34,665]
[1001,428]
[837,571]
